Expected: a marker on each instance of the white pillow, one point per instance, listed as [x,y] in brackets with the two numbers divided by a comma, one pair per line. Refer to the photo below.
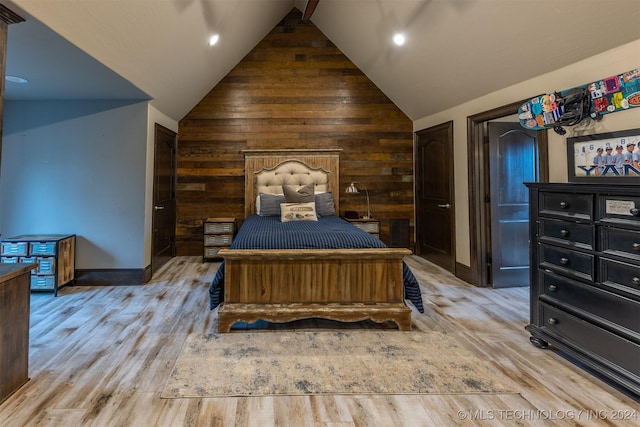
[298,212]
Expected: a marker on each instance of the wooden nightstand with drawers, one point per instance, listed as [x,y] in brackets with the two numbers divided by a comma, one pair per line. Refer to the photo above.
[218,233]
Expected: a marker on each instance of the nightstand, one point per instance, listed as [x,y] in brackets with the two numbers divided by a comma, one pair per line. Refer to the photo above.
[371,225]
[218,234]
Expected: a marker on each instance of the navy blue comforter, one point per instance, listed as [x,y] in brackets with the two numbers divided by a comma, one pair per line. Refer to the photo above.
[329,232]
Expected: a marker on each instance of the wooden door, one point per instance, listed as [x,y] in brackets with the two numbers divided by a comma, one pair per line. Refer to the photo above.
[479,186]
[513,157]
[164,198]
[435,231]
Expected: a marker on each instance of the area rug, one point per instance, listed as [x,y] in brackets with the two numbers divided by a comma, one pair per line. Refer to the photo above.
[326,362]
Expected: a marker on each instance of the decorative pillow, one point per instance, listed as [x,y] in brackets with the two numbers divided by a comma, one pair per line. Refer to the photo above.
[270,204]
[324,204]
[298,212]
[303,195]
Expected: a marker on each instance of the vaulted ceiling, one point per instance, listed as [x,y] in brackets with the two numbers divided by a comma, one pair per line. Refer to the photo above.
[455,50]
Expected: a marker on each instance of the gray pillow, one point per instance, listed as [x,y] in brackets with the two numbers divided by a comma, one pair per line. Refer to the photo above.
[270,204]
[324,204]
[303,195]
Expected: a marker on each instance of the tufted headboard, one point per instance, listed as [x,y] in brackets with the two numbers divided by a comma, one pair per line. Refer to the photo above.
[267,170]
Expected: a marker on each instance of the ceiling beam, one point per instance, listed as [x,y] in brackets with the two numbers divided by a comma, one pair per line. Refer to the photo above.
[308,9]
[10,17]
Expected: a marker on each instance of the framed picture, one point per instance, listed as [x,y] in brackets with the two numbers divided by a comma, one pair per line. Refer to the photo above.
[612,157]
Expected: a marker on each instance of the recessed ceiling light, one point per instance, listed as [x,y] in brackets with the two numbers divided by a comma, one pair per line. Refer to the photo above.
[15,79]
[398,39]
[213,39]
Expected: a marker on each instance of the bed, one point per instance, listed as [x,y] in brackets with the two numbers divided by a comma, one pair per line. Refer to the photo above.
[280,270]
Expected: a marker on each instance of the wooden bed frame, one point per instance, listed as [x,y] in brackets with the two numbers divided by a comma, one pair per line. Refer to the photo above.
[347,285]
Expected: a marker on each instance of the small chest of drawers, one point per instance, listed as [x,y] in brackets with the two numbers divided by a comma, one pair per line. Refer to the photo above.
[371,226]
[53,254]
[585,275]
[218,233]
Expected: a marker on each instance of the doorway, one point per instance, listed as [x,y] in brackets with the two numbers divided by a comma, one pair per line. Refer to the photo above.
[513,160]
[496,254]
[164,198]
[435,231]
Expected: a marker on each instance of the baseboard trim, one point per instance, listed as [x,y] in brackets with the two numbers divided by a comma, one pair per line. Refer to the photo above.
[463,272]
[113,276]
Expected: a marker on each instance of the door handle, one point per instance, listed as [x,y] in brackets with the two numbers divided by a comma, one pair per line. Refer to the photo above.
[158,208]
[446,206]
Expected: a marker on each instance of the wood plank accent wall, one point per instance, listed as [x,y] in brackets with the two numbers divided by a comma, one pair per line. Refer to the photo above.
[295,89]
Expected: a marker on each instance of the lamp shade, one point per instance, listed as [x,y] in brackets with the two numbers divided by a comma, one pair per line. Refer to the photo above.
[352,189]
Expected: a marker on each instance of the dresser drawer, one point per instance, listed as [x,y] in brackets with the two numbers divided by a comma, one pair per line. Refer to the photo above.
[42,248]
[217,240]
[624,243]
[606,305]
[620,275]
[46,265]
[567,262]
[595,342]
[43,282]
[566,205]
[567,233]
[211,252]
[619,210]
[15,248]
[219,227]
[369,227]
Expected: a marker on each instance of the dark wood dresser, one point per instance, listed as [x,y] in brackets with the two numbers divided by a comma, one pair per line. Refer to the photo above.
[14,327]
[585,275]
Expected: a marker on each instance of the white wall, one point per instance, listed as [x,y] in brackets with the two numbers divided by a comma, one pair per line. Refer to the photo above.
[77,167]
[615,61]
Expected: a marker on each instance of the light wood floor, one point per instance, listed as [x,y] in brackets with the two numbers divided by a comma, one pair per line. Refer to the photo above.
[100,356]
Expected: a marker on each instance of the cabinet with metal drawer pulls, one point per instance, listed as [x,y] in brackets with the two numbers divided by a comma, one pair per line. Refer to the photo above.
[53,254]
[218,233]
[585,275]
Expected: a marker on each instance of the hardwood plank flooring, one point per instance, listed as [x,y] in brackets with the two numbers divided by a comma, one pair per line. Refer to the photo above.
[100,355]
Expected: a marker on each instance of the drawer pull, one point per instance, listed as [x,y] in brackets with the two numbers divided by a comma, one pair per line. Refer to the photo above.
[553,288]
[634,211]
[564,261]
[553,321]
[564,205]
[636,246]
[636,280]
[564,233]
